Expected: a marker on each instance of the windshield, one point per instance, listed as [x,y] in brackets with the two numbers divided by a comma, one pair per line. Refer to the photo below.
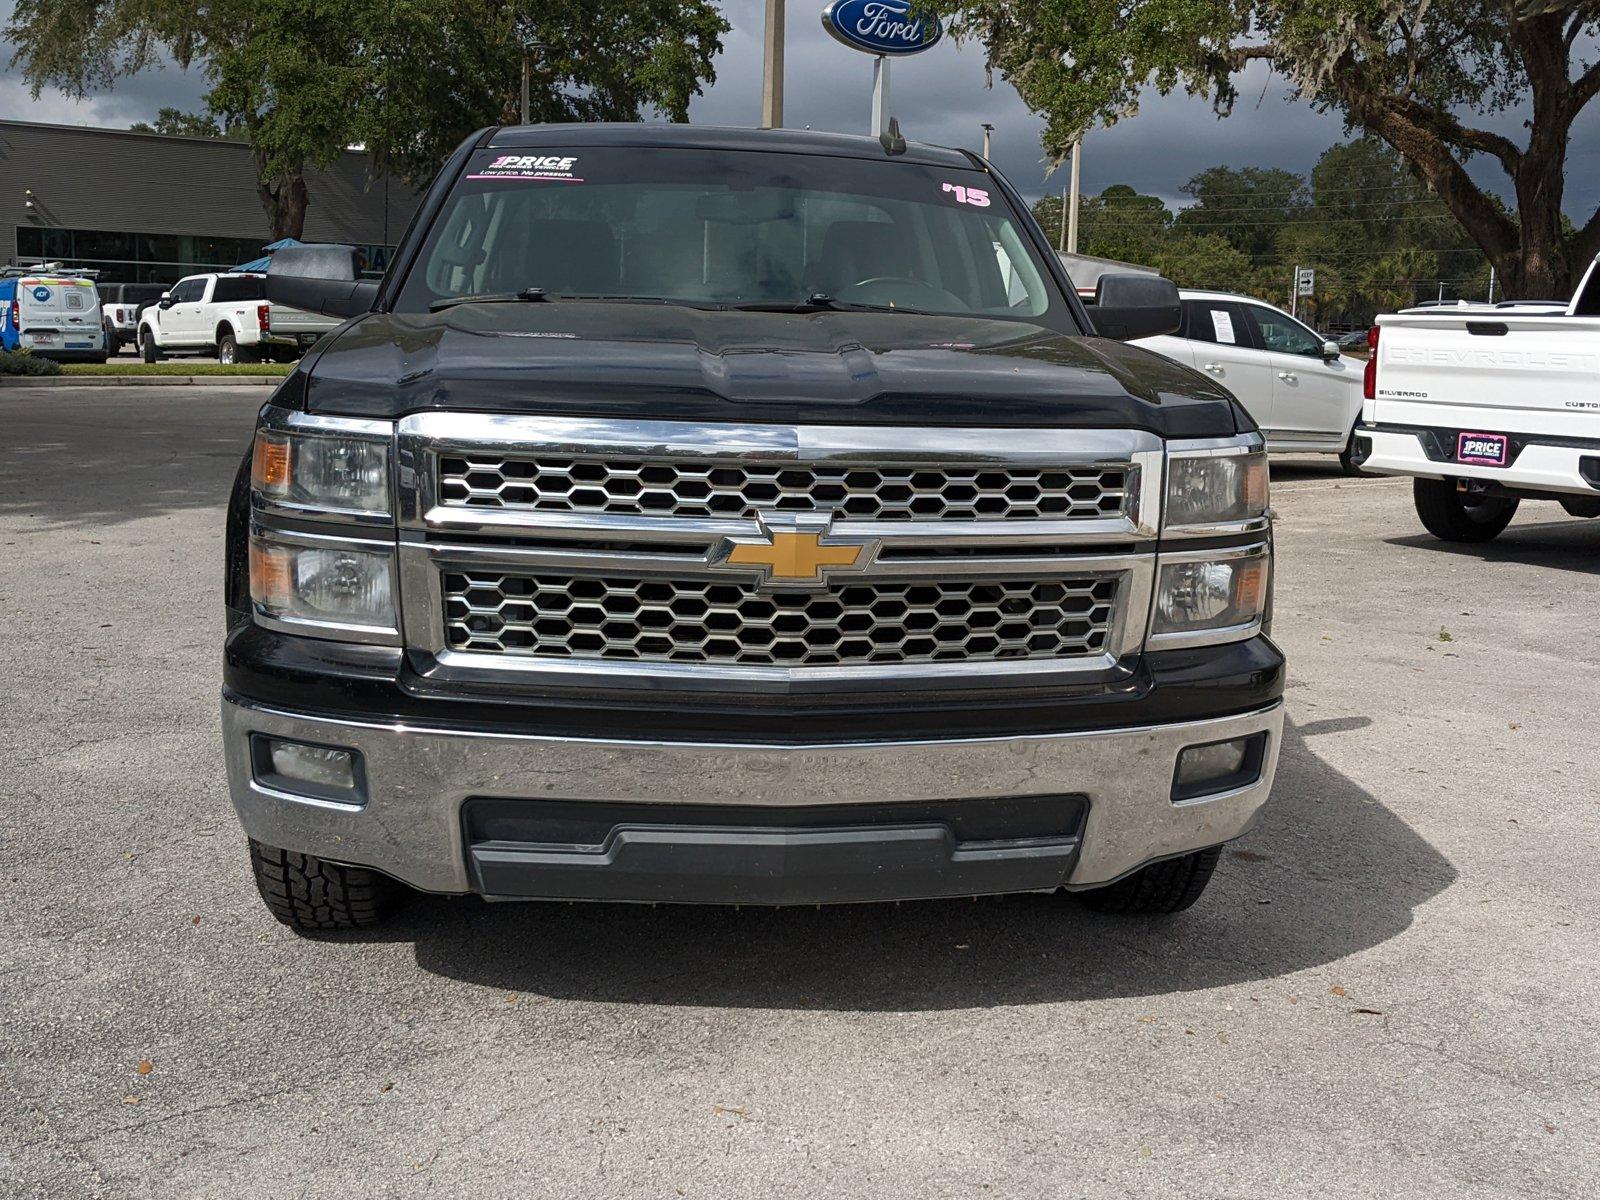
[730,228]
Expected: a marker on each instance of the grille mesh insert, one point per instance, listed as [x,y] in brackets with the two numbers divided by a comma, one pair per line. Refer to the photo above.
[737,489]
[728,623]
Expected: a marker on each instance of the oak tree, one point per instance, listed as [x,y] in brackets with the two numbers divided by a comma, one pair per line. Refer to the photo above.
[302,80]
[1440,83]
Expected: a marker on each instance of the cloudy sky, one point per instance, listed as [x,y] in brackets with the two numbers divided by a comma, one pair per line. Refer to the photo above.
[939,96]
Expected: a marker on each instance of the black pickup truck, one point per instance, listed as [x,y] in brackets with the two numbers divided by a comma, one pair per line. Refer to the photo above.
[724,516]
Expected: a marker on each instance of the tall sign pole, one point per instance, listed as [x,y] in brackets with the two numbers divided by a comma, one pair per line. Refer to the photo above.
[880,96]
[772,68]
[1077,195]
[884,29]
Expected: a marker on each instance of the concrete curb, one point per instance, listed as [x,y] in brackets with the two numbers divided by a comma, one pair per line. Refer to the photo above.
[139,380]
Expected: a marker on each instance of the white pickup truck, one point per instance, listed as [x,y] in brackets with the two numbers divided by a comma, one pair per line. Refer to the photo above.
[225,314]
[1486,408]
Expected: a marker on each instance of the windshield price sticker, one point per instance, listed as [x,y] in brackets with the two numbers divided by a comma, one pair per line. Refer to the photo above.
[1222,326]
[542,167]
[976,197]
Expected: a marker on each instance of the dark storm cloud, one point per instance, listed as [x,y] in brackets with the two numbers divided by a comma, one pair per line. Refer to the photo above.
[939,96]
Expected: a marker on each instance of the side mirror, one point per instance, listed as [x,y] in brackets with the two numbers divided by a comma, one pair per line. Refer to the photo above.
[1135,306]
[1330,351]
[165,301]
[321,279]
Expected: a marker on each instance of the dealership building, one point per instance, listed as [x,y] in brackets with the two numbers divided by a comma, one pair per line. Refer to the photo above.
[151,208]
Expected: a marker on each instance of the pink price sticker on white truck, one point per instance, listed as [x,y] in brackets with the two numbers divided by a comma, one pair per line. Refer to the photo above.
[1482,449]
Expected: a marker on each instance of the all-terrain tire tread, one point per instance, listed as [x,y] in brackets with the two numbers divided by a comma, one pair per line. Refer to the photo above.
[305,892]
[1164,887]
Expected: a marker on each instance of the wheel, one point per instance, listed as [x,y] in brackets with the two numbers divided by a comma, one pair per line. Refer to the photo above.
[1169,886]
[309,894]
[148,350]
[1346,459]
[1454,516]
[229,350]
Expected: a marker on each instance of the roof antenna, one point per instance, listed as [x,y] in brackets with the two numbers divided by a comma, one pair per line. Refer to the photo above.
[891,139]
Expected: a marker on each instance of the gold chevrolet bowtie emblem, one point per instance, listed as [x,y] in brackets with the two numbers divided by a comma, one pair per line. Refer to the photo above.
[796,551]
[795,556]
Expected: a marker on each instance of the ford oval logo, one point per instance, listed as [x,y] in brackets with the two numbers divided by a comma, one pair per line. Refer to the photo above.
[880,26]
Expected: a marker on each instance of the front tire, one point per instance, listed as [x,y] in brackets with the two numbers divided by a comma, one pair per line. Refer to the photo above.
[1454,516]
[148,351]
[1162,888]
[312,895]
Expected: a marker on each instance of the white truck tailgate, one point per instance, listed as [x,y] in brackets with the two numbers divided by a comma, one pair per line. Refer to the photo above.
[1515,374]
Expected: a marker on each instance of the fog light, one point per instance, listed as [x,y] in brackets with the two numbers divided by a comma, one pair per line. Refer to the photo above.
[323,772]
[1218,766]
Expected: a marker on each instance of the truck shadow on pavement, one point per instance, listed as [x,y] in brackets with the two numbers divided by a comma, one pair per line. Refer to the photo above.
[1328,871]
[103,457]
[1559,545]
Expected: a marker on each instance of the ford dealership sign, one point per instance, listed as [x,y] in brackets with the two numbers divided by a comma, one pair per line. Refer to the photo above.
[880,26]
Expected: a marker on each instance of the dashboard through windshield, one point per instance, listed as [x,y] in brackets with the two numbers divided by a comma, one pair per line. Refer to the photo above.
[719,228]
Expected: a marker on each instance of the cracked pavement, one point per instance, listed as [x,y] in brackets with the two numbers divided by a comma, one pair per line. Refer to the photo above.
[1388,990]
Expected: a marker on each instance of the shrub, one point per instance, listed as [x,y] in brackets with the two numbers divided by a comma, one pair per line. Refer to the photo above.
[24,362]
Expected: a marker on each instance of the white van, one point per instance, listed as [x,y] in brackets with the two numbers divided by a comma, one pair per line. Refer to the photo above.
[55,314]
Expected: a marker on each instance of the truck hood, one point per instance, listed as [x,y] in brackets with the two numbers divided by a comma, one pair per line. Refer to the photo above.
[668,361]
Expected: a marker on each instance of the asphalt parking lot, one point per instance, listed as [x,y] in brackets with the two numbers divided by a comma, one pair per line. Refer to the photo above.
[1388,990]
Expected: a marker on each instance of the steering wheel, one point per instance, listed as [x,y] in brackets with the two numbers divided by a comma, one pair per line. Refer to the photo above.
[900,289]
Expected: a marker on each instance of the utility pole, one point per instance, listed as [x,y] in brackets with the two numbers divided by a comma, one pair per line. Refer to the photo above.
[532,50]
[772,68]
[1061,242]
[987,130]
[1491,285]
[1077,195]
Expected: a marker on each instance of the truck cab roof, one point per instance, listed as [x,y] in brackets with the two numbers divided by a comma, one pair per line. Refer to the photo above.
[711,137]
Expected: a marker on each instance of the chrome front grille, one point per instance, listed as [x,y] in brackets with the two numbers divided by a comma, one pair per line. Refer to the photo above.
[595,553]
[560,616]
[712,488]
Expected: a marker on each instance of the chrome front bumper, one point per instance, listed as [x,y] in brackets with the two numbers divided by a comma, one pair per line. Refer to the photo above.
[417,780]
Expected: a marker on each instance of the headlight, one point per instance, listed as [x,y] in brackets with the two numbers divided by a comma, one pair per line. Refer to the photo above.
[332,472]
[324,590]
[1197,598]
[1216,489]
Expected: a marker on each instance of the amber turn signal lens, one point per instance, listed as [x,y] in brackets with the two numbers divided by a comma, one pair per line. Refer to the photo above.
[1249,586]
[269,467]
[271,578]
[1255,483]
